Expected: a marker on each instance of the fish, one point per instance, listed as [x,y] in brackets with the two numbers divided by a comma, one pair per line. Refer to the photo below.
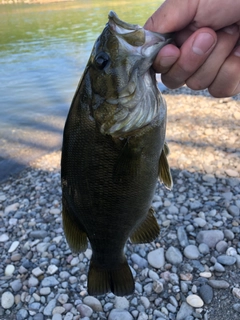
[113,153]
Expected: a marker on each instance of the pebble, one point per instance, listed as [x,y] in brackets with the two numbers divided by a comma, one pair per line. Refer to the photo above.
[85,311]
[226,260]
[221,246]
[13,246]
[141,262]
[236,307]
[93,303]
[16,285]
[9,270]
[182,237]
[191,252]
[205,274]
[210,237]
[50,281]
[203,248]
[218,284]
[118,314]
[121,303]
[156,258]
[7,300]
[206,293]
[4,237]
[194,301]
[236,292]
[184,311]
[174,255]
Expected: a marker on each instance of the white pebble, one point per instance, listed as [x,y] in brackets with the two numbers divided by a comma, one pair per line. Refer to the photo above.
[9,270]
[205,274]
[236,292]
[4,237]
[231,251]
[52,269]
[13,246]
[7,300]
[194,301]
[156,258]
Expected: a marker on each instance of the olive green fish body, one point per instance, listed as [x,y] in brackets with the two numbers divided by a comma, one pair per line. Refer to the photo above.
[110,164]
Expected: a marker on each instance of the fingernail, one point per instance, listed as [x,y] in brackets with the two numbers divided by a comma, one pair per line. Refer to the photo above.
[167,61]
[237,52]
[231,29]
[202,43]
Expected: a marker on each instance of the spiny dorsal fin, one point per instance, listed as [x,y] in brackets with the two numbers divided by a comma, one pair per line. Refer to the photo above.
[119,280]
[76,237]
[164,170]
[148,229]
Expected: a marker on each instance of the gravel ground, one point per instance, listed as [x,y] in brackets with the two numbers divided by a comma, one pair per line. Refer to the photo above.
[191,271]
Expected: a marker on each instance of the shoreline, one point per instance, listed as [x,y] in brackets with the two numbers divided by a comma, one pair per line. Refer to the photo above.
[198,125]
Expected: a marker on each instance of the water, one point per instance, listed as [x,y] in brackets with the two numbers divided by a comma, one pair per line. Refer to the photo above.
[43,51]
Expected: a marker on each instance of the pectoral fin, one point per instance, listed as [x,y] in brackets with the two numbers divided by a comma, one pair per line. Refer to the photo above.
[147,231]
[164,170]
[75,235]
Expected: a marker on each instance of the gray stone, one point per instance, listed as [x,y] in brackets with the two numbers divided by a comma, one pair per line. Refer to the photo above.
[32,282]
[210,237]
[7,300]
[16,285]
[156,258]
[191,252]
[93,303]
[203,248]
[118,314]
[206,293]
[200,222]
[226,260]
[174,256]
[182,236]
[233,210]
[236,307]
[50,282]
[229,234]
[141,262]
[38,316]
[221,246]
[108,306]
[49,307]
[218,284]
[38,234]
[218,267]
[22,314]
[184,311]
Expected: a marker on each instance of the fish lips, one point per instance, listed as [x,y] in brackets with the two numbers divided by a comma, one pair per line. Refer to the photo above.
[137,40]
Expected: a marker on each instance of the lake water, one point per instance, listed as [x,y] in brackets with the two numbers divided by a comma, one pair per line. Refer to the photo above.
[43,51]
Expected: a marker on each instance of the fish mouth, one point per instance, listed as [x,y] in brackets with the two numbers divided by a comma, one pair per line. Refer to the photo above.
[136,39]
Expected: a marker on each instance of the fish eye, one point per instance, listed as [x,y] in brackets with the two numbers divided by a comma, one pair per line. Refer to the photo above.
[101,60]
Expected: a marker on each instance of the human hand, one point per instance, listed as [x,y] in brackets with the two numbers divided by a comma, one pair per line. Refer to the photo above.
[207,50]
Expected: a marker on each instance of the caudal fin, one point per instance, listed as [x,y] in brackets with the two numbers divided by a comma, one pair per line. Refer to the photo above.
[119,280]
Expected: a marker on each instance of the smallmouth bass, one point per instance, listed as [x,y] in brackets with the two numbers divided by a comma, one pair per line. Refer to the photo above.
[113,153]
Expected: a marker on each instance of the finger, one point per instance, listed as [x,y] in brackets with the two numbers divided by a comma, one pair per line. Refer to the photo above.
[205,75]
[227,81]
[166,57]
[168,19]
[194,52]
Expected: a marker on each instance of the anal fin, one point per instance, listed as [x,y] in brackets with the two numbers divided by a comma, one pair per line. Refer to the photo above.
[164,170]
[148,229]
[76,237]
[118,280]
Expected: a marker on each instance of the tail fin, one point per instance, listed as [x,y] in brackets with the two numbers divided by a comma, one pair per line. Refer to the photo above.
[119,281]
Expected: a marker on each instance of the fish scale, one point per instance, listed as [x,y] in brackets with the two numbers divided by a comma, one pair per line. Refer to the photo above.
[110,163]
